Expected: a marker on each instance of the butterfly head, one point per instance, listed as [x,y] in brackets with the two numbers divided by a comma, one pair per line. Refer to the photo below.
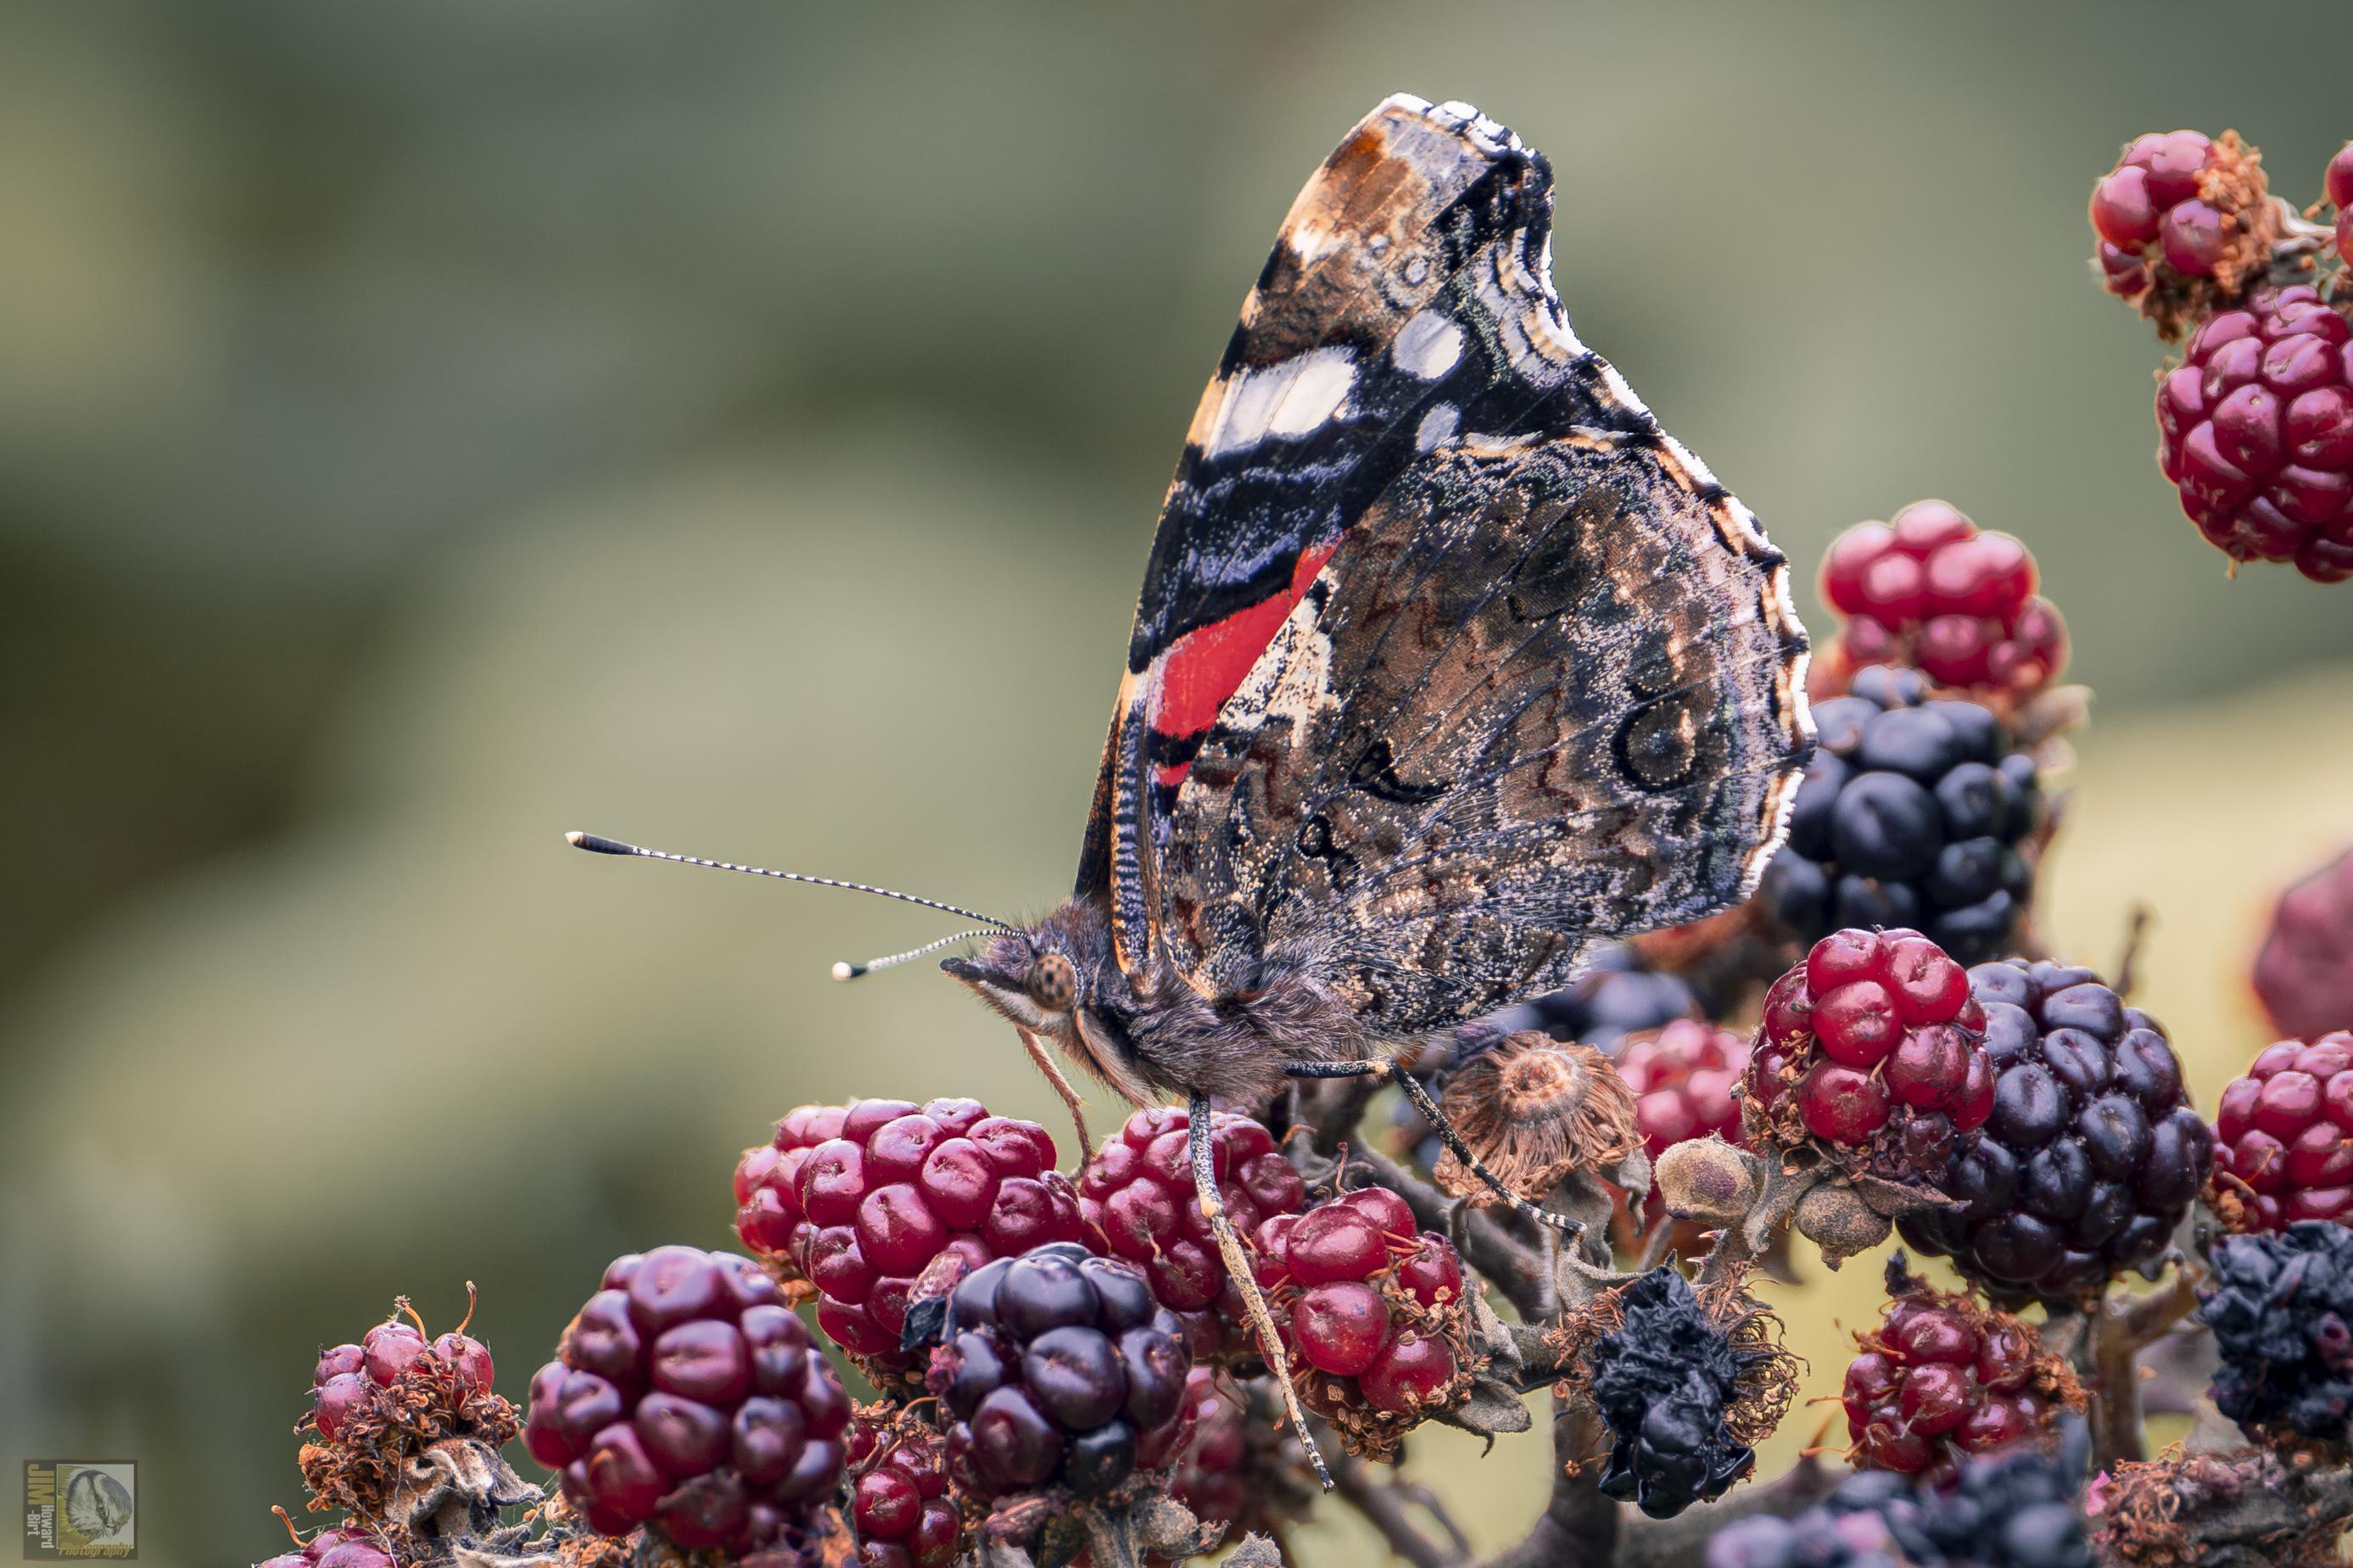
[1029,976]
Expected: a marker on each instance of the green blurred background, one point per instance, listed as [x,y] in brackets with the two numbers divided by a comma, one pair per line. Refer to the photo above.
[428,426]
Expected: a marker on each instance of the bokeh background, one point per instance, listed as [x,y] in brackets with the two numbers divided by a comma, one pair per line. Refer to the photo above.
[428,426]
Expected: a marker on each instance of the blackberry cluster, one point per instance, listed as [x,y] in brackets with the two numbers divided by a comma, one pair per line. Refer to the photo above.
[2257,432]
[1663,1382]
[341,1548]
[899,1506]
[2284,1137]
[2304,974]
[1914,812]
[2014,1510]
[1927,589]
[1371,1310]
[1942,1376]
[2092,1155]
[2183,219]
[1059,1369]
[2281,1307]
[349,1378]
[857,1200]
[686,1397]
[1138,1193]
[1870,1049]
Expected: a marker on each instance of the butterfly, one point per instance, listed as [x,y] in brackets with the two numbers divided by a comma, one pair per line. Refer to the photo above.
[1448,661]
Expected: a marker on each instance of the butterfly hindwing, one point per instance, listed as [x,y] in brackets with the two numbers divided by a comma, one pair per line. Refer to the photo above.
[1446,658]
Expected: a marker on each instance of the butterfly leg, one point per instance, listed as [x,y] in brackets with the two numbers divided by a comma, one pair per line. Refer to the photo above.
[1037,1049]
[1430,1113]
[1245,1275]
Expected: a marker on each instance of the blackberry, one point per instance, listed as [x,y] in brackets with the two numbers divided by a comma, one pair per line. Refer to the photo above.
[1685,1077]
[1928,590]
[2092,1155]
[1942,1376]
[1684,1395]
[2304,974]
[2011,1509]
[2281,1307]
[343,1547]
[1372,1311]
[1239,1469]
[1826,1536]
[1060,1371]
[856,1201]
[1613,997]
[2183,222]
[2256,432]
[1138,1193]
[899,1506]
[2284,1137]
[1916,811]
[1869,1051]
[686,1397]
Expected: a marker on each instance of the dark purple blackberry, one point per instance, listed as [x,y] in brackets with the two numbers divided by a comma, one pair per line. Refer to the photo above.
[2015,1508]
[1612,997]
[2092,1155]
[1914,812]
[1822,1537]
[1663,1382]
[2280,1307]
[1061,1371]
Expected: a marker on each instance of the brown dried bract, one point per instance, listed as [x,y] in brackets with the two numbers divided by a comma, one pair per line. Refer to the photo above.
[2178,1509]
[1535,1111]
[382,1457]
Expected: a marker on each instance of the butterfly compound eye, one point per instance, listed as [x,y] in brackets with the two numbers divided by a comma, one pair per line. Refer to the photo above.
[1053,983]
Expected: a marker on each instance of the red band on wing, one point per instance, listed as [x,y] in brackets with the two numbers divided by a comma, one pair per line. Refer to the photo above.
[1208,664]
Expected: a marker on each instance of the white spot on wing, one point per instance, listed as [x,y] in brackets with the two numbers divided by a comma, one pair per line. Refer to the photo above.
[1428,345]
[1436,427]
[1290,399]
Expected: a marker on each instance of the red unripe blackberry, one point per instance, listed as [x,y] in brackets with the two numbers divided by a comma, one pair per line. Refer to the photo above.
[1942,1376]
[1685,1077]
[1929,590]
[2256,430]
[1138,1193]
[347,1547]
[1372,1312]
[1916,811]
[2182,221]
[686,1397]
[2284,1137]
[2304,974]
[899,1505]
[1060,1371]
[1871,1049]
[857,1200]
[2092,1155]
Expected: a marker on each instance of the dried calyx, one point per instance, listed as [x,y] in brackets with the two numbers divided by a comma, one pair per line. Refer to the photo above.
[1537,1112]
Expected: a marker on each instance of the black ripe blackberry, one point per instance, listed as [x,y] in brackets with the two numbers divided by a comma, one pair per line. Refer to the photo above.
[1060,1371]
[2092,1155]
[2015,1508]
[1612,996]
[1663,1382]
[2280,1307]
[1914,812]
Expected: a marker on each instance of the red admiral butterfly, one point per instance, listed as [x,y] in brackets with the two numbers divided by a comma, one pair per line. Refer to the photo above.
[1448,660]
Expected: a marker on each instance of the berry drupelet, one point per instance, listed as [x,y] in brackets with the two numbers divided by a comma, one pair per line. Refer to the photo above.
[1869,1050]
[856,1201]
[2281,1309]
[2256,430]
[1059,1371]
[686,1397]
[1929,590]
[2284,1137]
[1685,1392]
[1942,1376]
[1138,1193]
[2092,1155]
[2304,974]
[1916,811]
[1373,1312]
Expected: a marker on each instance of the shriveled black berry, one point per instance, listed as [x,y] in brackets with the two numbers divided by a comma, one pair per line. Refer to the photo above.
[1661,1383]
[2280,1307]
[1056,1367]
[2093,1153]
[1910,814]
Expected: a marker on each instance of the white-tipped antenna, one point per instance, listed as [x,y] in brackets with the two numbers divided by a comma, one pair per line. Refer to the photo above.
[599,845]
[846,971]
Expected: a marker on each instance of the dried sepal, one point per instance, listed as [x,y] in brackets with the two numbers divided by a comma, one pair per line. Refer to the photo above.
[1535,1111]
[2181,1509]
[409,1450]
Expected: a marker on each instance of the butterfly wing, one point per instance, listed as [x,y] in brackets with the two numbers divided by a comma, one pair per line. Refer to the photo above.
[1508,668]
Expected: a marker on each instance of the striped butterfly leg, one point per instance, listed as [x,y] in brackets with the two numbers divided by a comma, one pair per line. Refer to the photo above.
[1430,1113]
[1245,1275]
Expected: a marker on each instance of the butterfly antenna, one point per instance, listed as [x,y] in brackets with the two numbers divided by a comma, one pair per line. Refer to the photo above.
[852,970]
[595,844]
